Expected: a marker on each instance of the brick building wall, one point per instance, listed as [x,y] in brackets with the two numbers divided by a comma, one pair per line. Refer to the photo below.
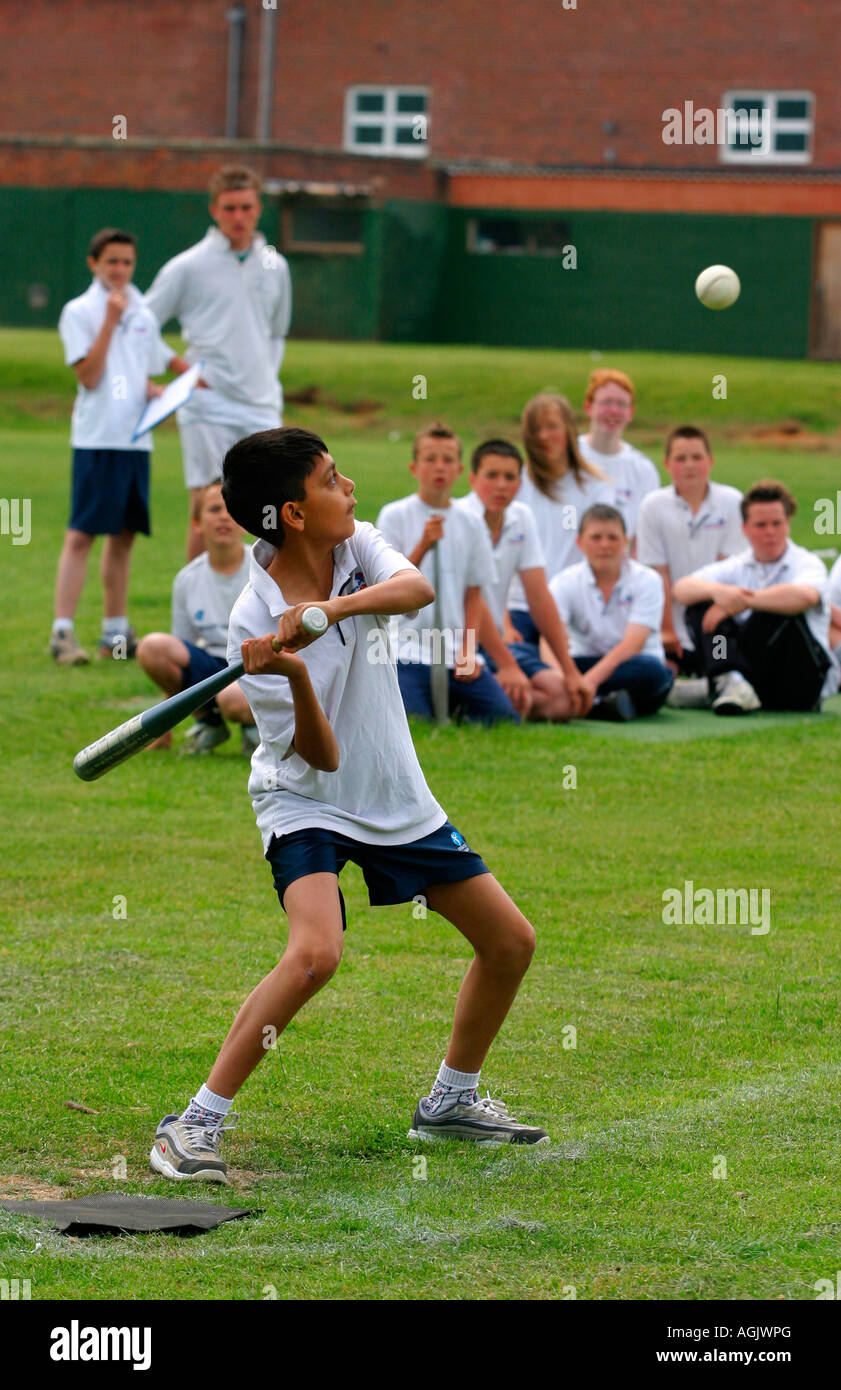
[524,81]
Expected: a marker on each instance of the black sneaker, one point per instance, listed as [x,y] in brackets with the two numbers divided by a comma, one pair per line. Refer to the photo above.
[617,707]
[119,647]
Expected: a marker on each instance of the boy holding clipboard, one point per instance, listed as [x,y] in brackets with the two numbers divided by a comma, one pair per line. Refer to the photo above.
[112,342]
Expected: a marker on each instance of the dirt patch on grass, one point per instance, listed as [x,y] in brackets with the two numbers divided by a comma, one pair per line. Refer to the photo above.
[16,1186]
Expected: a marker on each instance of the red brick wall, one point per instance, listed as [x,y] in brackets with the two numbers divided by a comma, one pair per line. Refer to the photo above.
[520,80]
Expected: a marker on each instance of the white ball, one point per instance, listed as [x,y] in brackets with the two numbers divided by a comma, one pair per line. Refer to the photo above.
[717,287]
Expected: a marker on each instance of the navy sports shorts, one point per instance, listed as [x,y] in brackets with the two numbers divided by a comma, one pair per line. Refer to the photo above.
[525,655]
[200,666]
[110,491]
[392,873]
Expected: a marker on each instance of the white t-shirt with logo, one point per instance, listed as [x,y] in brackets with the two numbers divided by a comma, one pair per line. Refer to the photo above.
[465,558]
[596,625]
[670,536]
[557,519]
[202,600]
[378,794]
[632,473]
[518,548]
[105,415]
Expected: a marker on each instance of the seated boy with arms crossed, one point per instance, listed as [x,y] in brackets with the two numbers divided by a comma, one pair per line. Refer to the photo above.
[535,689]
[681,527]
[451,548]
[612,607]
[336,778]
[203,594]
[760,619]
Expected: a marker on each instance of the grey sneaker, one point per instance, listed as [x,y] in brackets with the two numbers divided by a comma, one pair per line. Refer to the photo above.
[735,695]
[121,647]
[190,1151]
[204,737]
[66,650]
[689,692]
[483,1121]
[250,740]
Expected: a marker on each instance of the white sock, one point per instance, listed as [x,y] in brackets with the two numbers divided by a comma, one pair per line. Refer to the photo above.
[114,627]
[208,1100]
[450,1084]
[62,625]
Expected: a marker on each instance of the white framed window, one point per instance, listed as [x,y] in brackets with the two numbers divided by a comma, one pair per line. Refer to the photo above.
[387,121]
[774,127]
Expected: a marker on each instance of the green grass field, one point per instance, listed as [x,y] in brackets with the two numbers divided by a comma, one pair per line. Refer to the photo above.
[699,1050]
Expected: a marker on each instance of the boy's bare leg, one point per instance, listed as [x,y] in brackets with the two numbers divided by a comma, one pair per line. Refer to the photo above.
[311,957]
[551,697]
[195,539]
[503,940]
[163,658]
[72,569]
[116,559]
[234,706]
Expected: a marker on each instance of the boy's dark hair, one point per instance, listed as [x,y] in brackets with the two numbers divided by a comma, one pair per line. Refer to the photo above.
[687,432]
[263,472]
[768,490]
[600,511]
[495,446]
[435,431]
[232,177]
[100,240]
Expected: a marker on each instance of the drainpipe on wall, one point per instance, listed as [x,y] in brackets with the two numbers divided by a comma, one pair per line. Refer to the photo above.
[236,35]
[265,91]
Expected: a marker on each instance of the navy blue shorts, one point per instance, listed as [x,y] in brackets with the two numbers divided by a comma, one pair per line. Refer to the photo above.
[110,491]
[200,666]
[525,655]
[392,873]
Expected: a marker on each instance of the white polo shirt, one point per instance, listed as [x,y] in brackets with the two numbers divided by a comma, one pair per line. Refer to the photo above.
[833,588]
[632,473]
[669,535]
[105,416]
[796,565]
[202,600]
[378,794]
[234,314]
[595,626]
[518,548]
[465,558]
[557,521]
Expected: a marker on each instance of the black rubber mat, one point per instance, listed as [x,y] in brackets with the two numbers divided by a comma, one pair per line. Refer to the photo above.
[120,1212]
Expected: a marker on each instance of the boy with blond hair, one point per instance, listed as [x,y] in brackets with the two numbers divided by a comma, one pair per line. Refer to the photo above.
[451,549]
[203,594]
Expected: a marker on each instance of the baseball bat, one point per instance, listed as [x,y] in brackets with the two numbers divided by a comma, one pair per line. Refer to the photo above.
[439,680]
[126,740]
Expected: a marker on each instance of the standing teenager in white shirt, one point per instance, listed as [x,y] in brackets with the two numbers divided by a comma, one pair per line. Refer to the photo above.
[761,618]
[232,295]
[336,779]
[112,342]
[609,402]
[557,486]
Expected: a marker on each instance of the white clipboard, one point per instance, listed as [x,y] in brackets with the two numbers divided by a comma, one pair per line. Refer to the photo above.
[176,394]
